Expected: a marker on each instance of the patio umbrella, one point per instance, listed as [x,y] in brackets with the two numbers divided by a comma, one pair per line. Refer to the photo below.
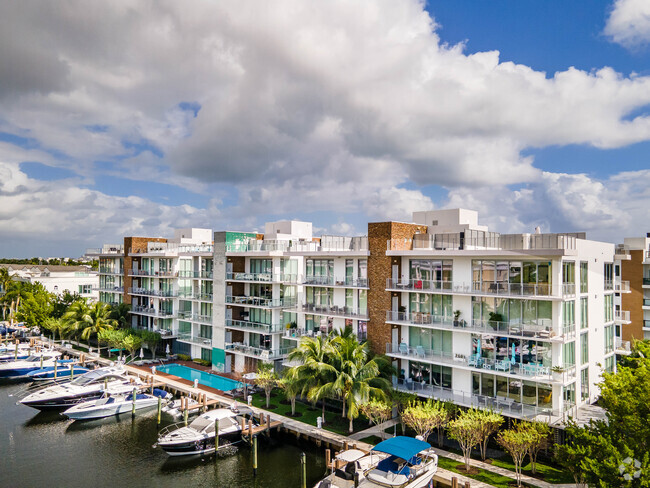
[512,360]
[167,349]
[478,347]
[141,353]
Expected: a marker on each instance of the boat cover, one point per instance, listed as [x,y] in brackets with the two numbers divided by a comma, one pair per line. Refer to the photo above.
[402,447]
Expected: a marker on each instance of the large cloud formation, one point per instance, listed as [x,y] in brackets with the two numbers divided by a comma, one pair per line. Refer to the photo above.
[629,23]
[344,107]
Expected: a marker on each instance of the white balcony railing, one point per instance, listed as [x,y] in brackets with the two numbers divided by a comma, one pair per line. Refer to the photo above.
[248,301]
[257,352]
[333,310]
[152,293]
[258,327]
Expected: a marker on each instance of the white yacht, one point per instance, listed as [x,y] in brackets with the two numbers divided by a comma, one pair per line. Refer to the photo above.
[37,360]
[199,436]
[399,462]
[88,386]
[115,400]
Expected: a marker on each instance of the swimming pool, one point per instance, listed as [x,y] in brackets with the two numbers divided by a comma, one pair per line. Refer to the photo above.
[207,379]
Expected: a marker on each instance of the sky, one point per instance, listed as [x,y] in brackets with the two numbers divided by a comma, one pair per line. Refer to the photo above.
[138,117]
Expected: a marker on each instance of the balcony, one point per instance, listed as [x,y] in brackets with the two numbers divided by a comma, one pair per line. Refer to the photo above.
[257,352]
[259,302]
[504,289]
[646,281]
[333,311]
[568,289]
[151,273]
[252,277]
[507,406]
[201,341]
[257,327]
[204,275]
[623,347]
[204,297]
[541,331]
[623,316]
[153,293]
[332,244]
[622,286]
[152,312]
[195,317]
[646,304]
[646,325]
[110,271]
[111,289]
[331,281]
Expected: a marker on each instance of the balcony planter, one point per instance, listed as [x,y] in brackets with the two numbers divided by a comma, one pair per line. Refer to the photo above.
[457,314]
[558,373]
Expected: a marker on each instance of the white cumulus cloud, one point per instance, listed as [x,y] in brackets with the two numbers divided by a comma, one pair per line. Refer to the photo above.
[628,23]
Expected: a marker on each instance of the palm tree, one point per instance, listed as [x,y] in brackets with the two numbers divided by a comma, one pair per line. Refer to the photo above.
[97,320]
[122,314]
[358,376]
[314,371]
[132,343]
[77,317]
[291,383]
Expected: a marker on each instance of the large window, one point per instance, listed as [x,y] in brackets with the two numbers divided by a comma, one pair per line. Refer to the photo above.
[609,308]
[430,374]
[609,276]
[584,384]
[516,277]
[609,339]
[569,353]
[512,311]
[431,274]
[426,303]
[568,317]
[584,313]
[584,272]
[261,266]
[320,270]
[584,348]
[437,341]
[492,349]
[526,392]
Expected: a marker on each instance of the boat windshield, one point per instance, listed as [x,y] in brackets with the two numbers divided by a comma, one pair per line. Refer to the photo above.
[32,359]
[201,423]
[92,377]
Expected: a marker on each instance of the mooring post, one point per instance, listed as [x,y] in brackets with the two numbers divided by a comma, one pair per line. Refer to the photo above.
[135,392]
[328,458]
[71,371]
[454,482]
[216,435]
[56,367]
[356,480]
[159,409]
[254,455]
[303,470]
[185,414]
[467,484]
[16,351]
[41,361]
[345,445]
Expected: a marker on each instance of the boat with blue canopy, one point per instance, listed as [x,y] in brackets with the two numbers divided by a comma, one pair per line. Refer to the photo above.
[398,462]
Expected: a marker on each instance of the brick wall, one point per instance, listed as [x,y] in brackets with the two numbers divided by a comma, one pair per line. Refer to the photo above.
[632,271]
[379,270]
[135,244]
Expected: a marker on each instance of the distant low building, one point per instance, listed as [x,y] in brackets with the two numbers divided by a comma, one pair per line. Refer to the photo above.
[58,279]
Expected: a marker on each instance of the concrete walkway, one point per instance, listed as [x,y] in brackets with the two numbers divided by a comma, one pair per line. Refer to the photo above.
[377,430]
[502,471]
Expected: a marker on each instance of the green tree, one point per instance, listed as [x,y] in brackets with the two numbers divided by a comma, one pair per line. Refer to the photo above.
[425,417]
[517,442]
[465,429]
[291,383]
[401,400]
[266,379]
[541,439]
[150,340]
[77,317]
[377,411]
[97,319]
[121,313]
[489,422]
[36,307]
[357,376]
[132,343]
[62,302]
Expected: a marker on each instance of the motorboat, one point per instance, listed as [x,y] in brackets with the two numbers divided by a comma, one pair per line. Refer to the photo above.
[50,373]
[174,408]
[8,352]
[398,462]
[20,368]
[114,401]
[88,386]
[198,438]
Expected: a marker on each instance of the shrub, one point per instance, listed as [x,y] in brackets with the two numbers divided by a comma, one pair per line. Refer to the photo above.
[184,357]
[202,362]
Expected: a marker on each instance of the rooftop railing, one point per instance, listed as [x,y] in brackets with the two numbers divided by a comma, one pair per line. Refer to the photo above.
[162,248]
[326,244]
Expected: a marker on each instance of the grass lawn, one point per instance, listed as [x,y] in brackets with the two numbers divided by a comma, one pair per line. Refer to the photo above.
[484,476]
[335,423]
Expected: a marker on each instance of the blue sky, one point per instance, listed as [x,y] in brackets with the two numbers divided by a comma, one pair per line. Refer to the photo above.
[339,114]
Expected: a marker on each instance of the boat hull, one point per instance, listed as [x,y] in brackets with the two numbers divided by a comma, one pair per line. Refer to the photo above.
[102,411]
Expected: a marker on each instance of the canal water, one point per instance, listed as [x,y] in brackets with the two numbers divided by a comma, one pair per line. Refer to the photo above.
[44,449]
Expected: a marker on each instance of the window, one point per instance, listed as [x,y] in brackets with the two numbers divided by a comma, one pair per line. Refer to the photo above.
[609,339]
[584,268]
[261,266]
[610,364]
[584,313]
[569,353]
[363,301]
[570,394]
[431,274]
[584,384]
[568,317]
[320,271]
[84,289]
[584,348]
[609,276]
[206,354]
[349,271]
[609,308]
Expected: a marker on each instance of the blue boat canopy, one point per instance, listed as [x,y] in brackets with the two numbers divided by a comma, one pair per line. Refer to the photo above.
[401,446]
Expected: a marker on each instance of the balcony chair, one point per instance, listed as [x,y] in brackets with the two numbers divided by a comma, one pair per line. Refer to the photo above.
[403,349]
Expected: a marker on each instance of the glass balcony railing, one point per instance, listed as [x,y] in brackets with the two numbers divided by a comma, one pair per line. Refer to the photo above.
[258,327]
[333,310]
[311,280]
[646,281]
[151,312]
[153,293]
[152,273]
[247,301]
[476,287]
[204,297]
[195,317]
[258,352]
[203,341]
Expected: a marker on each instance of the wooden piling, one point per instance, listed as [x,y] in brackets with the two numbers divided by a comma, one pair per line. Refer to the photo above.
[133,394]
[467,484]
[454,482]
[159,410]
[216,435]
[328,458]
[254,455]
[303,470]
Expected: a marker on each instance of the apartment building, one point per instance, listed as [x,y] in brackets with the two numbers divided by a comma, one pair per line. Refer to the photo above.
[519,322]
[58,279]
[111,273]
[635,269]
